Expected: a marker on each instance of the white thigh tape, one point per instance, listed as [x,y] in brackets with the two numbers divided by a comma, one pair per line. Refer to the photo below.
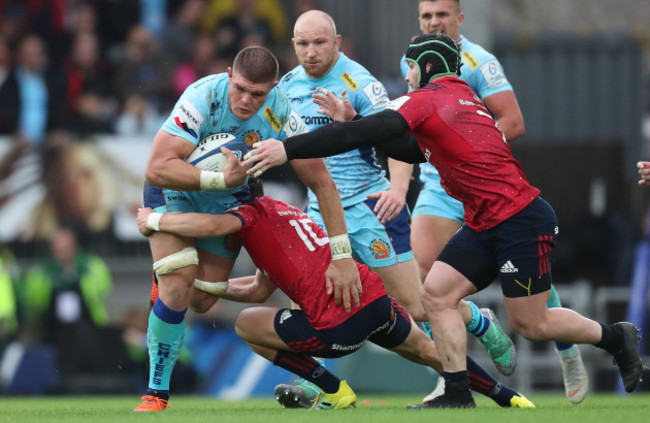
[185,257]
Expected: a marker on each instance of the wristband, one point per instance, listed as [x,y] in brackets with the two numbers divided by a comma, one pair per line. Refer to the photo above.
[340,246]
[153,221]
[211,181]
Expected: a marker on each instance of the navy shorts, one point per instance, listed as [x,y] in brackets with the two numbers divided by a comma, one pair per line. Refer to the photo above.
[383,322]
[516,251]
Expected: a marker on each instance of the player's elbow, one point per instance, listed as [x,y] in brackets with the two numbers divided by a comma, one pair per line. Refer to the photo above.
[154,176]
[517,129]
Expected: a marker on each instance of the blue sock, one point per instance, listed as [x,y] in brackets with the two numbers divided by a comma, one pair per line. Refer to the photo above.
[479,323]
[426,327]
[553,302]
[164,340]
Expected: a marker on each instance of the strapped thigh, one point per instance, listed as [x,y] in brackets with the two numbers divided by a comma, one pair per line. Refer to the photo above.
[186,257]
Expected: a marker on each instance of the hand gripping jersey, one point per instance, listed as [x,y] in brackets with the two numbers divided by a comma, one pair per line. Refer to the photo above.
[482,72]
[294,253]
[457,135]
[202,110]
[355,173]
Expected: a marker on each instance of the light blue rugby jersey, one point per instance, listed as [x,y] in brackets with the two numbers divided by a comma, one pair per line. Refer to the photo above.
[482,72]
[202,110]
[355,173]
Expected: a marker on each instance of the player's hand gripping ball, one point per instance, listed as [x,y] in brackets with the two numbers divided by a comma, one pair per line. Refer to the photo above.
[208,156]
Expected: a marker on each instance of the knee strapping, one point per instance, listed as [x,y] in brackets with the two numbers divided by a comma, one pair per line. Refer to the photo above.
[186,257]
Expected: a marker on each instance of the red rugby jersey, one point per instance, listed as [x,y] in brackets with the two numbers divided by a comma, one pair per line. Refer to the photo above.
[457,135]
[295,253]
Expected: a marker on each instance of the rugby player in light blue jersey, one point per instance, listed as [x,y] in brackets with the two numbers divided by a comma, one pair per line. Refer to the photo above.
[377,219]
[244,101]
[437,216]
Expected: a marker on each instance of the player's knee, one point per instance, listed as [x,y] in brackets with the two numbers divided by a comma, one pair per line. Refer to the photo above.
[243,323]
[417,312]
[202,302]
[528,328]
[431,298]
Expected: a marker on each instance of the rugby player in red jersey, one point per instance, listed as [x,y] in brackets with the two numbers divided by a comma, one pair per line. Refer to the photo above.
[509,229]
[292,253]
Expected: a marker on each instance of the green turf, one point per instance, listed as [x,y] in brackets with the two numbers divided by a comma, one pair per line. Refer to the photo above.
[371,409]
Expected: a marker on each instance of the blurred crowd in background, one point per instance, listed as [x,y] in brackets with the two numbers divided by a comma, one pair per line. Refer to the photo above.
[117,66]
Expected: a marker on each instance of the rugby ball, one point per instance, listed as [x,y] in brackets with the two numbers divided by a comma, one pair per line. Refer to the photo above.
[208,156]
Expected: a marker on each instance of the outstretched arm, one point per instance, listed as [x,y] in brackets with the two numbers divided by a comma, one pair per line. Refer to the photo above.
[249,289]
[194,225]
[386,130]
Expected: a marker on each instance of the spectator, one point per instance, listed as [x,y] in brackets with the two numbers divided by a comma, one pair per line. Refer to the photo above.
[70,289]
[138,118]
[232,21]
[8,306]
[143,71]
[181,33]
[90,106]
[200,64]
[65,304]
[39,91]
[8,90]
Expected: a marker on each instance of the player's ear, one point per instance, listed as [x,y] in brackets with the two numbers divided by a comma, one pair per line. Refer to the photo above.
[337,41]
[229,70]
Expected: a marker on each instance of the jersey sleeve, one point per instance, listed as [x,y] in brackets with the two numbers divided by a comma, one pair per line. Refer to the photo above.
[188,116]
[487,76]
[247,214]
[294,125]
[289,121]
[372,97]
[411,108]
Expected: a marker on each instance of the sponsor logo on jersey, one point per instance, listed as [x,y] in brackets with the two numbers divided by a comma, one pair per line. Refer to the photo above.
[270,116]
[295,125]
[251,138]
[466,103]
[427,154]
[316,120]
[398,102]
[380,249]
[178,198]
[214,106]
[470,60]
[376,94]
[286,314]
[349,81]
[287,77]
[508,267]
[188,118]
[493,74]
